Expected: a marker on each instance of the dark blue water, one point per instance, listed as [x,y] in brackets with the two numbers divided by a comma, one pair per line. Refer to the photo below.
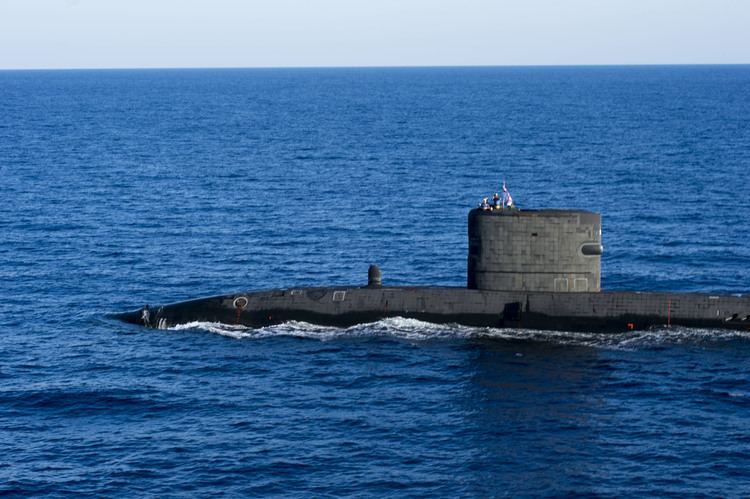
[121,188]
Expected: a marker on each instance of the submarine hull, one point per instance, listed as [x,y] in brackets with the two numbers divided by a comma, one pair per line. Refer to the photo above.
[615,311]
[534,269]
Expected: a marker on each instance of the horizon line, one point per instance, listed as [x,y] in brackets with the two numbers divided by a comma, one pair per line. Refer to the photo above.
[396,66]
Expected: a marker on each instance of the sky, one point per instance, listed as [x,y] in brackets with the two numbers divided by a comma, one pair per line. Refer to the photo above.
[51,34]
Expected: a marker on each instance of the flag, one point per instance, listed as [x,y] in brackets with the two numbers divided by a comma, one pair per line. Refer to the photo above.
[507,199]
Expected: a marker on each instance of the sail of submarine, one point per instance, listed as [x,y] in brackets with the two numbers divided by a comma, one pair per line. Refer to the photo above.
[533,269]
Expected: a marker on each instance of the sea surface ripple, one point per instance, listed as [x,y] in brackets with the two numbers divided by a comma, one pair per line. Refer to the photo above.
[151,186]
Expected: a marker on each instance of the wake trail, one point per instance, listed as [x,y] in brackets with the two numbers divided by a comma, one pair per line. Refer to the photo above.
[418,331]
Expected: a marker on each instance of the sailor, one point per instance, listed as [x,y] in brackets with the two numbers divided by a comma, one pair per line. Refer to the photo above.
[496,202]
[146,316]
[485,205]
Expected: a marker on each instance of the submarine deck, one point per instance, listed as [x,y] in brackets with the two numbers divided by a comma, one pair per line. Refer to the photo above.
[611,311]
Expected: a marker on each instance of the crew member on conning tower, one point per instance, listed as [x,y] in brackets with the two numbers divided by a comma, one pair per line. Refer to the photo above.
[495,202]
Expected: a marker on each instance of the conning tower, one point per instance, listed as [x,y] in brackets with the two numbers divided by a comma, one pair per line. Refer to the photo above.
[534,250]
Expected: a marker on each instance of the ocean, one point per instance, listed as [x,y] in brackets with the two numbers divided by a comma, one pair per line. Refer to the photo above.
[127,187]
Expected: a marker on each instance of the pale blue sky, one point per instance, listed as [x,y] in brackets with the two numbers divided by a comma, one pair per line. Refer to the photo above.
[277,33]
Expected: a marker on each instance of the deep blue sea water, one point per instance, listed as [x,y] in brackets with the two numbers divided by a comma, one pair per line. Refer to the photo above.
[121,188]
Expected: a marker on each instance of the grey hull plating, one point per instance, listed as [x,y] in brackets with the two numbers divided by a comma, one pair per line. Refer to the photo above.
[347,306]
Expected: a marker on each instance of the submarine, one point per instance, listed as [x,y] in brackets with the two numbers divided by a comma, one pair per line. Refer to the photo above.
[530,269]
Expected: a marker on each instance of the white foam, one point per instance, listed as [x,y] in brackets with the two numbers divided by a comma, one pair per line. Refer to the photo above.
[419,331]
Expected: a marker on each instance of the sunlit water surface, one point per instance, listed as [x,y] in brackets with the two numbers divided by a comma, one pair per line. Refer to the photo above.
[128,187]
